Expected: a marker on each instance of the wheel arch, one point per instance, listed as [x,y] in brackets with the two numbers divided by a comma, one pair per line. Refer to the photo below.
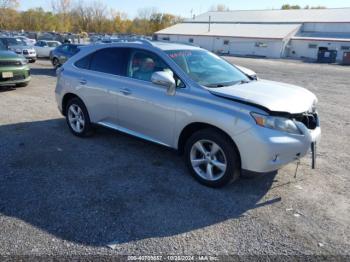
[190,129]
[66,98]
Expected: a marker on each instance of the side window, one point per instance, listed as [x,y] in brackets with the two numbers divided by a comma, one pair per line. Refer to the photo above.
[143,64]
[63,48]
[110,61]
[84,63]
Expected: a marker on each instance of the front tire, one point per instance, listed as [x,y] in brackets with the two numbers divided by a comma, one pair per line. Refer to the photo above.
[77,118]
[55,62]
[212,158]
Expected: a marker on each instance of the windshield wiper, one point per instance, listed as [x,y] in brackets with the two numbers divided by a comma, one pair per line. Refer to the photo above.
[217,85]
[221,84]
[243,82]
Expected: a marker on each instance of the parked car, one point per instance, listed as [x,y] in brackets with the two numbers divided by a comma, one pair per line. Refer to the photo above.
[20,47]
[189,99]
[62,53]
[14,69]
[44,47]
[28,41]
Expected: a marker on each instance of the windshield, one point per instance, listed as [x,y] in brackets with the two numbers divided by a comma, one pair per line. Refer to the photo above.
[15,41]
[206,68]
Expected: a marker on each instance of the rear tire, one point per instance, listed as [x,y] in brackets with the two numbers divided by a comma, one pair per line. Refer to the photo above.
[77,118]
[212,158]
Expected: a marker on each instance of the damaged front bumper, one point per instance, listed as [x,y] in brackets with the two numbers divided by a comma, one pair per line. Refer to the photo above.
[264,150]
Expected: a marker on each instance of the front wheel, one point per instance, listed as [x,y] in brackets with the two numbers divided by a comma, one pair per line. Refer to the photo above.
[212,158]
[77,118]
[55,62]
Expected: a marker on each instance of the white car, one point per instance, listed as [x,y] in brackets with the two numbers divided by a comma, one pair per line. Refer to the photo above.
[44,47]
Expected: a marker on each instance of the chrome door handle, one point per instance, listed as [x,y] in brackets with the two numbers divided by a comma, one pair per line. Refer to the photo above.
[125,91]
[83,81]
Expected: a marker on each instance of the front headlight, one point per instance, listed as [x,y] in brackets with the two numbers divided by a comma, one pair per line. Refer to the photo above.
[24,62]
[277,123]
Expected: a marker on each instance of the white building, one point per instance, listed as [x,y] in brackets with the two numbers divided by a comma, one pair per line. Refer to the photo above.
[267,33]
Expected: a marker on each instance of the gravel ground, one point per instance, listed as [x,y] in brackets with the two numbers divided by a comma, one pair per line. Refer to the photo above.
[63,195]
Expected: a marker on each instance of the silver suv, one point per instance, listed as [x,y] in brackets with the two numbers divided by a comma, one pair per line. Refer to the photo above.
[187,98]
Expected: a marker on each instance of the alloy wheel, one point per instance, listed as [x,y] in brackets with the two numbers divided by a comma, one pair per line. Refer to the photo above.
[208,160]
[76,118]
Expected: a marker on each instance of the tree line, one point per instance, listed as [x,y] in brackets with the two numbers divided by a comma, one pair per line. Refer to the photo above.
[78,16]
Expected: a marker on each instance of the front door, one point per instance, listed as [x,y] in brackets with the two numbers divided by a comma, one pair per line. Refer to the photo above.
[145,109]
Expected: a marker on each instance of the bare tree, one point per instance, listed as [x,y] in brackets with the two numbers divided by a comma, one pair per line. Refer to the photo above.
[146,13]
[99,14]
[4,4]
[62,8]
[7,13]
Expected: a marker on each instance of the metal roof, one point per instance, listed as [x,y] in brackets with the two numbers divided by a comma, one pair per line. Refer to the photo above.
[232,30]
[277,16]
[322,36]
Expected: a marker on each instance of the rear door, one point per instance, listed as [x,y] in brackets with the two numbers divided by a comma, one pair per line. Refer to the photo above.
[98,81]
[62,52]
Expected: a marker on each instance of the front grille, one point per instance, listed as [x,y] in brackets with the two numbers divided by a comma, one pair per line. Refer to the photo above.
[10,63]
[25,52]
[310,120]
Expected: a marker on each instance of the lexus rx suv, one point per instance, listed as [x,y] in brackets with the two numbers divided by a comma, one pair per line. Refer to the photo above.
[222,119]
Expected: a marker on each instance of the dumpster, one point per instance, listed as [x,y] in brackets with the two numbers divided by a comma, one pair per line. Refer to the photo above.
[346,58]
[327,56]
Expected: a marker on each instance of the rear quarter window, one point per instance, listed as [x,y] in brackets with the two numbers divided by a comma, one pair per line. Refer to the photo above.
[84,63]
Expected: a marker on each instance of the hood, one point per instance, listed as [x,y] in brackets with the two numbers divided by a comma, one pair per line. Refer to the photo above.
[8,55]
[274,96]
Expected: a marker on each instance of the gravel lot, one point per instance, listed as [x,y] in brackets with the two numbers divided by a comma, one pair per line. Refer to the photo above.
[63,195]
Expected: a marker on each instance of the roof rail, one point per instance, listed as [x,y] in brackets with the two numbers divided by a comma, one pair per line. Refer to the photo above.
[135,39]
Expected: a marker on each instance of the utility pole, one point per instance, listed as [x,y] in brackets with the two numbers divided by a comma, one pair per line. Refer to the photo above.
[209,24]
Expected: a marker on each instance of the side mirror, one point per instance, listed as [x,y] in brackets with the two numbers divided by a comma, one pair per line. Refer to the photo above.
[250,73]
[166,79]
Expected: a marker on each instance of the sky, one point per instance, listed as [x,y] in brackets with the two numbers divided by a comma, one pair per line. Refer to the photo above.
[184,8]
